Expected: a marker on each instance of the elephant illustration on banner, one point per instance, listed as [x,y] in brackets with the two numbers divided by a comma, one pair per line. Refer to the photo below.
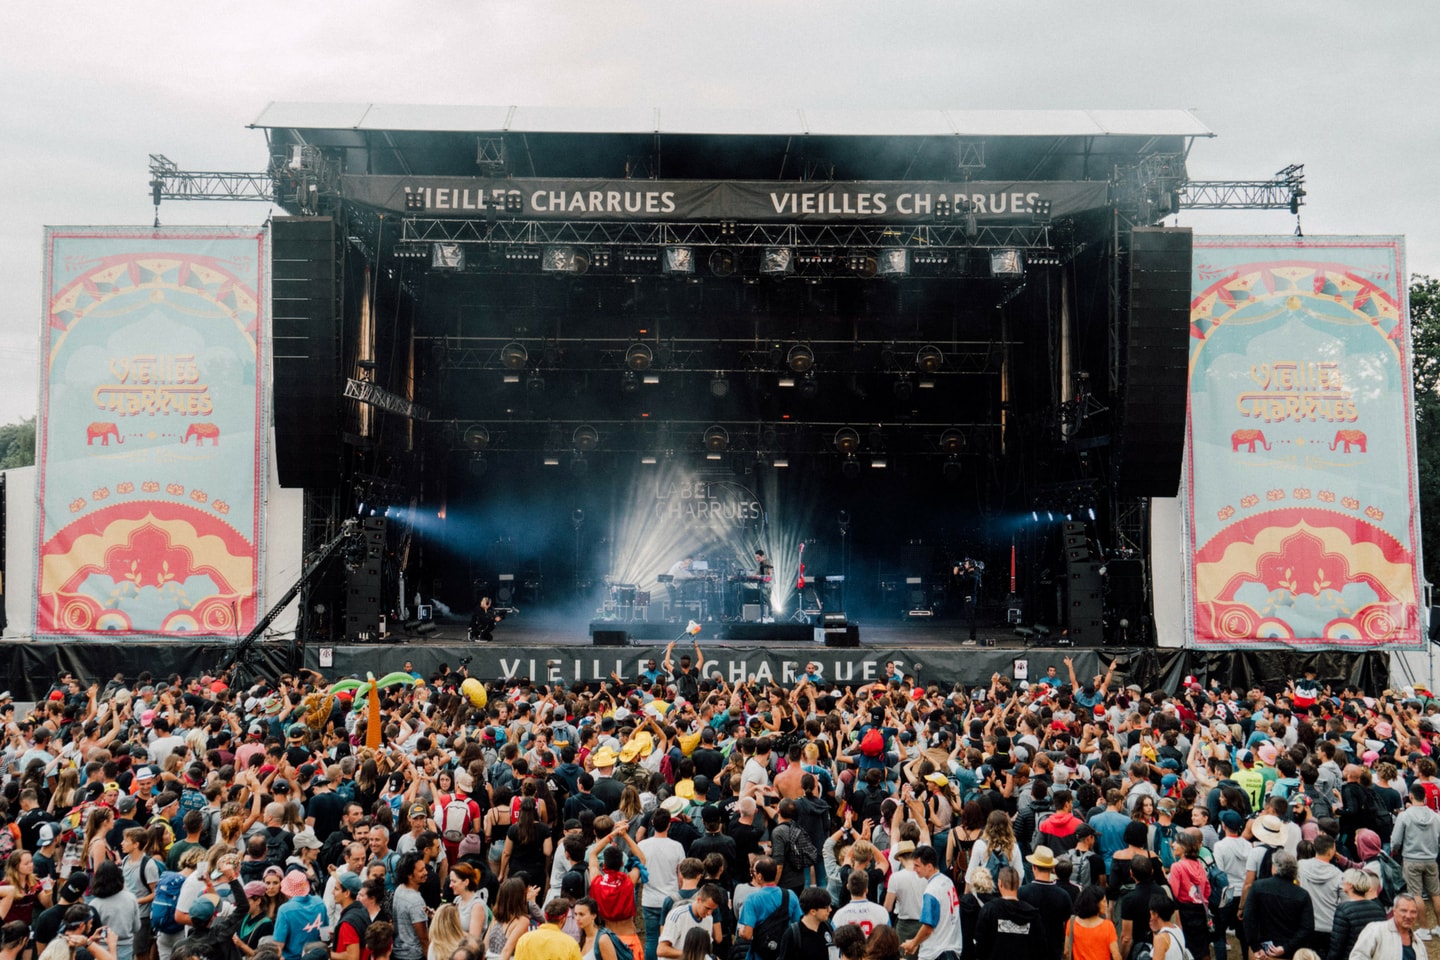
[104,431]
[1247,438]
[202,432]
[1349,437]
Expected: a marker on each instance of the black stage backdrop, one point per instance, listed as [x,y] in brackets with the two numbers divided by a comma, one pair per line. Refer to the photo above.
[27,669]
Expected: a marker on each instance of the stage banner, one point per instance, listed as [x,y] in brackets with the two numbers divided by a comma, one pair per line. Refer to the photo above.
[1303,529]
[829,201]
[151,434]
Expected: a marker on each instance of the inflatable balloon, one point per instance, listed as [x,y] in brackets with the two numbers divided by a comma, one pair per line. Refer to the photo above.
[474,690]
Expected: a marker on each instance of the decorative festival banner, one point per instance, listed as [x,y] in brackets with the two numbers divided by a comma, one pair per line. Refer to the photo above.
[1303,524]
[152,427]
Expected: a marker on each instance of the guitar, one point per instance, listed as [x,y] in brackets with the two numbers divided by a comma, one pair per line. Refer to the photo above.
[800,581]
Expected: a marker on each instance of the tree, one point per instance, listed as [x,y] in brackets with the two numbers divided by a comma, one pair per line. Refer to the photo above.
[1425,338]
[17,444]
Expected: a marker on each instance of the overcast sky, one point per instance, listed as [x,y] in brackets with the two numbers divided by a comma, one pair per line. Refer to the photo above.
[90,89]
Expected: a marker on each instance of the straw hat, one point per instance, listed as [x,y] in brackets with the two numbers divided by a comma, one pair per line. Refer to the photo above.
[604,757]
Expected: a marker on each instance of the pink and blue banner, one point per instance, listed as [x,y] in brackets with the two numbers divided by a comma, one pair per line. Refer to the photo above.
[151,434]
[1303,529]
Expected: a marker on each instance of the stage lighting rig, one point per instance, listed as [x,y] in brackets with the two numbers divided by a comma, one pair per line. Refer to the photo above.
[716,440]
[585,438]
[929,359]
[801,358]
[639,356]
[514,356]
[477,437]
[847,440]
[1007,262]
[777,261]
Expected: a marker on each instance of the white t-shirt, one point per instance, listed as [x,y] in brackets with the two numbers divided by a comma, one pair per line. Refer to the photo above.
[909,890]
[755,773]
[681,921]
[941,910]
[866,914]
[662,862]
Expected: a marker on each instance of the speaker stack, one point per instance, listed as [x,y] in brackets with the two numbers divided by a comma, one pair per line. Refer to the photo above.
[1084,589]
[365,585]
[1151,436]
[305,348]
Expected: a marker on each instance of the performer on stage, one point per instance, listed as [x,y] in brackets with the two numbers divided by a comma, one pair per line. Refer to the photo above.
[967,574]
[681,569]
[483,620]
[764,573]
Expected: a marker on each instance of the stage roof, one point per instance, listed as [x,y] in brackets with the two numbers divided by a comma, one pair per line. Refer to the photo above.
[750,122]
[703,143]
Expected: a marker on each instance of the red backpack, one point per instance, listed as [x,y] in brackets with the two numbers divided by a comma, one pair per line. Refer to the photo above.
[873,743]
[614,894]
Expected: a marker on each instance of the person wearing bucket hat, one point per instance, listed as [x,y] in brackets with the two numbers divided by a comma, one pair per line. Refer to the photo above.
[299,918]
[1046,895]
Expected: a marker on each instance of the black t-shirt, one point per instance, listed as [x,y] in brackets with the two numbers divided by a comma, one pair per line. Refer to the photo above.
[799,942]
[1013,929]
[327,809]
[747,838]
[708,761]
[1135,907]
[1054,905]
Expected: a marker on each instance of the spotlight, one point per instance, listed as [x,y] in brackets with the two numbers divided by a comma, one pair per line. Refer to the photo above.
[777,261]
[719,387]
[847,440]
[649,459]
[1035,516]
[952,441]
[780,462]
[414,200]
[477,438]
[585,438]
[716,440]
[800,358]
[678,260]
[862,264]
[639,357]
[942,208]
[850,468]
[929,359]
[1007,262]
[551,461]
[1092,513]
[722,263]
[514,356]
[893,262]
[785,381]
[514,203]
[1041,209]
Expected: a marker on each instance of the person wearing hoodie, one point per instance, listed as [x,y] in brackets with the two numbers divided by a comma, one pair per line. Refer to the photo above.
[1416,842]
[1057,831]
[1320,878]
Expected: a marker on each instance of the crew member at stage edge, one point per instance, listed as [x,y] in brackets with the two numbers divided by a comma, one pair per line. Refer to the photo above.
[764,573]
[483,620]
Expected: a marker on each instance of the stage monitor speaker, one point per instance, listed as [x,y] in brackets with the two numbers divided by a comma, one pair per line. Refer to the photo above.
[1151,440]
[846,636]
[305,349]
[610,638]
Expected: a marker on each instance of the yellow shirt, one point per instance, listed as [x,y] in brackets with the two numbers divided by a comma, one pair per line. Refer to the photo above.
[688,742]
[547,942]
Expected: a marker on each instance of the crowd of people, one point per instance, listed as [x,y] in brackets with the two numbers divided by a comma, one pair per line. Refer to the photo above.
[678,815]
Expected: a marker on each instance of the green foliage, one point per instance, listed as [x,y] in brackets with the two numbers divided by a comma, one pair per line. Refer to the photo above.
[1425,337]
[17,444]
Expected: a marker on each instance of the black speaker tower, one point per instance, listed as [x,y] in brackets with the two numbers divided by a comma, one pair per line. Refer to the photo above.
[1151,441]
[305,324]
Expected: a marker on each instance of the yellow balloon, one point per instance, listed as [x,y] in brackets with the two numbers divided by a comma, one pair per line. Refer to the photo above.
[474,690]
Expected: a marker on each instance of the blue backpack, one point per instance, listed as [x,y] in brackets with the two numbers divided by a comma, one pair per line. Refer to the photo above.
[622,949]
[162,908]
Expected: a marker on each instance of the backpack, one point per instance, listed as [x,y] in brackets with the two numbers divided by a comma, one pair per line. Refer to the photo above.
[277,846]
[800,851]
[1220,895]
[1265,868]
[7,840]
[452,820]
[1392,879]
[1079,867]
[614,894]
[995,861]
[765,938]
[1320,803]
[872,744]
[472,844]
[162,908]
[622,949]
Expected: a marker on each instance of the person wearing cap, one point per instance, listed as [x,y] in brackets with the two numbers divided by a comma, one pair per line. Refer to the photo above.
[662,856]
[300,918]
[1231,854]
[353,921]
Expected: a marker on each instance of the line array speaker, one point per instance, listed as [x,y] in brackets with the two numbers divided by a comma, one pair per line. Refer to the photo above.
[305,337]
[1157,337]
[1085,604]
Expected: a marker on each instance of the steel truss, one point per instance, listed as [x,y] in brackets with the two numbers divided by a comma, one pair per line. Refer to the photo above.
[730,234]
